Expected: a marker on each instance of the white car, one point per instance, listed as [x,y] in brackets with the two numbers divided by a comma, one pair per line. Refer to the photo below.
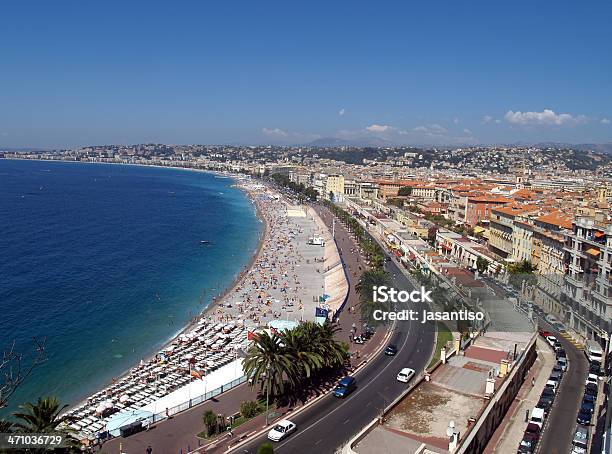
[281,430]
[552,340]
[405,375]
[592,378]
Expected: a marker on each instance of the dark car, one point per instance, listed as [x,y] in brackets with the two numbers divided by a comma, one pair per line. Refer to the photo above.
[595,368]
[391,350]
[561,353]
[545,403]
[528,443]
[549,393]
[368,333]
[588,406]
[345,386]
[534,429]
[584,417]
[591,389]
[558,369]
[589,398]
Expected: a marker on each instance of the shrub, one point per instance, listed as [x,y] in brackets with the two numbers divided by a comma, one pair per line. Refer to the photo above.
[249,409]
[209,418]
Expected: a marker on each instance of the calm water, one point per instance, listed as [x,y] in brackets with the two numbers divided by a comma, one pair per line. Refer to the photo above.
[105,262]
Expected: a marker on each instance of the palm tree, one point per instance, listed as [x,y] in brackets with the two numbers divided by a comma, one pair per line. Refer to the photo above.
[43,416]
[268,362]
[306,360]
[370,279]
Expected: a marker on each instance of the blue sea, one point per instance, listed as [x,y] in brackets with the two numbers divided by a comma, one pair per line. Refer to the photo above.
[105,262]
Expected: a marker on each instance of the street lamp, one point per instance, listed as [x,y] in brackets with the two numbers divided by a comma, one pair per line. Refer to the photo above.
[453,436]
[266,377]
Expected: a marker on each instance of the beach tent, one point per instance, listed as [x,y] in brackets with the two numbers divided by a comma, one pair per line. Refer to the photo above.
[118,420]
[281,325]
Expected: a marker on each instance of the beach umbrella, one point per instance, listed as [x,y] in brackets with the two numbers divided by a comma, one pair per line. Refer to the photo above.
[124,398]
[100,408]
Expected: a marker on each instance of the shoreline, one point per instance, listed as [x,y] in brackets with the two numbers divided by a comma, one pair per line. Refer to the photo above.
[238,181]
[213,305]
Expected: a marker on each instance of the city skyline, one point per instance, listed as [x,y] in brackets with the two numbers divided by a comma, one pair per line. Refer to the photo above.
[435,74]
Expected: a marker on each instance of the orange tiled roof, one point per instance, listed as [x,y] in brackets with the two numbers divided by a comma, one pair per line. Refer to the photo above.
[557,218]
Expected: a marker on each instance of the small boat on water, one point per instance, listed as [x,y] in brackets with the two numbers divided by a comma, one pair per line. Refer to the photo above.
[205,242]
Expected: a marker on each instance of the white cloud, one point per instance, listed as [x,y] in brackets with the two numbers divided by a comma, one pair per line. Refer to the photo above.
[546,117]
[342,111]
[467,131]
[456,120]
[274,132]
[433,129]
[487,119]
[379,128]
[605,121]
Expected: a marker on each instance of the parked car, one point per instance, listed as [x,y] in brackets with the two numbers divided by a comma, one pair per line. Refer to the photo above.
[562,362]
[595,369]
[405,375]
[545,334]
[558,369]
[528,444]
[581,440]
[561,353]
[552,385]
[345,386]
[594,353]
[591,389]
[281,430]
[589,398]
[552,340]
[545,403]
[533,429]
[592,378]
[537,416]
[359,340]
[588,405]
[584,417]
[391,350]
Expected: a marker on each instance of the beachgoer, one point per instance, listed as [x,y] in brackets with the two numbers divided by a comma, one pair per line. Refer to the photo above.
[149,449]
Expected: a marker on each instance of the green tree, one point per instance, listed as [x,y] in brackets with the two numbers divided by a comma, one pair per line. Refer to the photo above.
[209,418]
[269,363]
[42,416]
[521,272]
[482,264]
[249,408]
[265,448]
[306,360]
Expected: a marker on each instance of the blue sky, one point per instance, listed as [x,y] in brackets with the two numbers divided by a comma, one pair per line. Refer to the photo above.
[84,72]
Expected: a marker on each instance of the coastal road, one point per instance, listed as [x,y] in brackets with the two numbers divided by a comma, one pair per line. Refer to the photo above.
[331,422]
[561,422]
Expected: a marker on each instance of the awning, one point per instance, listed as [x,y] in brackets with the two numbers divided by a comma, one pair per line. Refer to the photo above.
[592,251]
[124,418]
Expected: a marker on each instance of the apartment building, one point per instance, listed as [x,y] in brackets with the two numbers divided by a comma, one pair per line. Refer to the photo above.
[501,228]
[548,256]
[588,282]
[334,184]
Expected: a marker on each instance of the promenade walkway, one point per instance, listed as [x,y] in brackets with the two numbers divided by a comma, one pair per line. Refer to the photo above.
[510,431]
